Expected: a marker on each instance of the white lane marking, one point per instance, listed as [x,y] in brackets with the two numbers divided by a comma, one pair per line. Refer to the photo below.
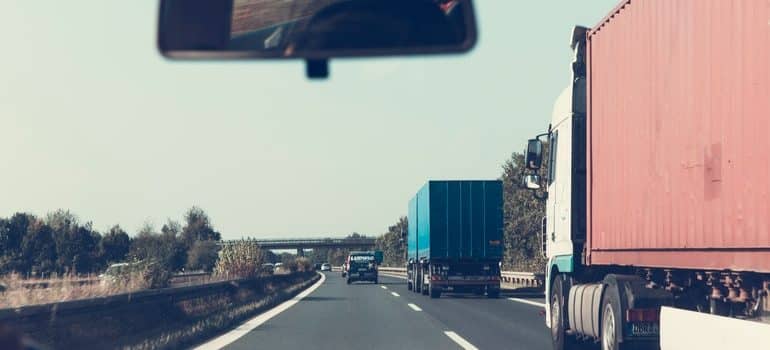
[530,302]
[460,341]
[414,307]
[395,294]
[384,287]
[255,322]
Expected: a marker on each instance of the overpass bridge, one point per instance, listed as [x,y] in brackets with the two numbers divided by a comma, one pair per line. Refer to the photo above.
[300,244]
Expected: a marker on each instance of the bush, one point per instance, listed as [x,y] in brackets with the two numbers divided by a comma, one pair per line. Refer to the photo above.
[239,259]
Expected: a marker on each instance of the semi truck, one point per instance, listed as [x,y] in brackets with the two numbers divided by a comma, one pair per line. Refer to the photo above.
[657,180]
[455,238]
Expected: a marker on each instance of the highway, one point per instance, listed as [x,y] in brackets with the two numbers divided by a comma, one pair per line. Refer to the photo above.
[388,316]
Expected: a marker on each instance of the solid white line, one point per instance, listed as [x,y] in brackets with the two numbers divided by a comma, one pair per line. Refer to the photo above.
[414,307]
[395,294]
[255,322]
[384,287]
[460,341]
[530,302]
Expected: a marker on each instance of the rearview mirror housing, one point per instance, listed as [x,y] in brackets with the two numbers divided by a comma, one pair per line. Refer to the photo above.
[531,182]
[533,158]
[313,29]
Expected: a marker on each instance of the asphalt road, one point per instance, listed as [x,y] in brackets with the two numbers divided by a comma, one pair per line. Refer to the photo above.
[388,316]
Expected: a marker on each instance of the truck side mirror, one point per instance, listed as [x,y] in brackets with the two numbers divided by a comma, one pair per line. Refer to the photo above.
[531,182]
[533,159]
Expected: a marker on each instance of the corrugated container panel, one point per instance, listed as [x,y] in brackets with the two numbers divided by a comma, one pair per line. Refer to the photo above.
[457,219]
[679,135]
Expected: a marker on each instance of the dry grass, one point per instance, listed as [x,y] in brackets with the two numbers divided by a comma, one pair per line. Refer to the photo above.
[22,292]
[33,291]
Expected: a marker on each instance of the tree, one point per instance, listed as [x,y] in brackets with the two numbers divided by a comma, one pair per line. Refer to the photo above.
[392,243]
[164,249]
[76,244]
[38,249]
[198,228]
[114,245]
[202,255]
[522,214]
[12,232]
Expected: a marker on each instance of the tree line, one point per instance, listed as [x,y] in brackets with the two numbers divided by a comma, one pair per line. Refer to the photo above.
[60,243]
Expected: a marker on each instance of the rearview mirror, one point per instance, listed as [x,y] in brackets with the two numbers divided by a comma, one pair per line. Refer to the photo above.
[314,29]
[534,156]
[532,182]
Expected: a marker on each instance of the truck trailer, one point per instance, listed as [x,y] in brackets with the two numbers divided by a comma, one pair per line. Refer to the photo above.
[455,238]
[657,227]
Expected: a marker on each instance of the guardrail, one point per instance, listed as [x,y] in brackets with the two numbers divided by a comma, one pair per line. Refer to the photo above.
[513,278]
[161,316]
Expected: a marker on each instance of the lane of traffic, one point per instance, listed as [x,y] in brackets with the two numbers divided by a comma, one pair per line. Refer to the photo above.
[485,323]
[341,316]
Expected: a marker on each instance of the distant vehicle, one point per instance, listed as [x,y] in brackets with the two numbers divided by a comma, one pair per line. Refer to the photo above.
[362,266]
[326,267]
[267,268]
[278,268]
[457,244]
[118,272]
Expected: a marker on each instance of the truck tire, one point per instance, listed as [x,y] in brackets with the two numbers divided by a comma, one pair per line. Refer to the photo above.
[408,285]
[434,293]
[561,340]
[417,282]
[348,280]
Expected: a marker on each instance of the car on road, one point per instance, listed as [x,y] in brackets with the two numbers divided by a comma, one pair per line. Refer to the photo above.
[326,267]
[362,266]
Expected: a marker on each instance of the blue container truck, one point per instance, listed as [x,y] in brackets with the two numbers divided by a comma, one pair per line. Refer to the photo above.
[455,238]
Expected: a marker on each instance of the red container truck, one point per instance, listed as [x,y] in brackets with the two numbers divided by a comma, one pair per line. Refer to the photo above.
[658,181]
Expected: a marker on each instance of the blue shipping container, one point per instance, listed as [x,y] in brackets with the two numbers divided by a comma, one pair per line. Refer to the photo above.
[456,220]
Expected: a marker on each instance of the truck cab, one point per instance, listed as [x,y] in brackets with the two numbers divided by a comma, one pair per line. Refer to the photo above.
[562,184]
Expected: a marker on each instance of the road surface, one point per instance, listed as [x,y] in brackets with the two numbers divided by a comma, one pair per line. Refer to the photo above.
[388,316]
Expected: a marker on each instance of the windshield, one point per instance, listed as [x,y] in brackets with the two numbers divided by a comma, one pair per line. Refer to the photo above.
[151,202]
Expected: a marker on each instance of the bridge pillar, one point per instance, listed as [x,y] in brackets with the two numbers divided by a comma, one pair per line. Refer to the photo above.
[300,252]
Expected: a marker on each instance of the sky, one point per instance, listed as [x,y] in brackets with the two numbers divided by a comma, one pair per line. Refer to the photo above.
[94,120]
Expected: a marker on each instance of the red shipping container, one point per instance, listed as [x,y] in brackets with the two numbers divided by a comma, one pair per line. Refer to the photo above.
[679,135]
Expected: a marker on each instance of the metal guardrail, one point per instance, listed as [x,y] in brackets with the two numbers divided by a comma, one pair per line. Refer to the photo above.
[515,278]
[138,313]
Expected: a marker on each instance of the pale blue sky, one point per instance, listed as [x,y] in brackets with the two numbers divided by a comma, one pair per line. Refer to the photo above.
[92,119]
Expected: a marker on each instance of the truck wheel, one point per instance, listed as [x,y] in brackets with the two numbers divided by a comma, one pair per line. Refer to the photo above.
[561,340]
[611,323]
[434,293]
[408,285]
[348,280]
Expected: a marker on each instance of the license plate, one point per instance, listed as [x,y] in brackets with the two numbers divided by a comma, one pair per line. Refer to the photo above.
[645,329]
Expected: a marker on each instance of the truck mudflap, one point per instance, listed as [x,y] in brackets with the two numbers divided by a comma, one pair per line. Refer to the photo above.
[683,329]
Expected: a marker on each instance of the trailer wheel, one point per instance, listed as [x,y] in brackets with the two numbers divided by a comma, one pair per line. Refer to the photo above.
[434,293]
[561,340]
